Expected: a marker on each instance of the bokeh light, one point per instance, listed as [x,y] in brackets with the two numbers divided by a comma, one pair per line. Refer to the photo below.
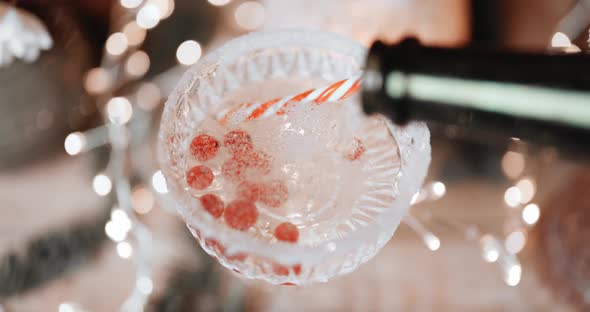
[124,250]
[531,214]
[515,242]
[135,34]
[131,4]
[512,196]
[119,110]
[137,64]
[512,164]
[102,184]
[188,52]
[148,96]
[148,16]
[142,200]
[527,189]
[75,143]
[249,15]
[116,44]
[219,2]
[97,81]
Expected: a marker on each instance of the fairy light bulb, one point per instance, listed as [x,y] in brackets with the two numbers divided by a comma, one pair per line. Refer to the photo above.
[531,214]
[145,285]
[102,184]
[142,200]
[512,196]
[137,64]
[135,34]
[560,40]
[438,190]
[219,2]
[75,143]
[97,81]
[124,250]
[249,15]
[527,189]
[148,16]
[148,96]
[188,52]
[131,4]
[513,275]
[515,242]
[116,44]
[119,110]
[431,241]
[512,164]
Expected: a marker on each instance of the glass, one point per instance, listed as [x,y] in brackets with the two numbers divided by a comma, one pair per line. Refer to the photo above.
[296,197]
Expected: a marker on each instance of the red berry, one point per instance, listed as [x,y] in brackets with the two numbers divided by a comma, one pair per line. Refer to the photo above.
[204,147]
[283,270]
[215,245]
[297,269]
[356,150]
[249,191]
[287,232]
[233,169]
[259,161]
[238,141]
[213,204]
[274,194]
[241,214]
[199,177]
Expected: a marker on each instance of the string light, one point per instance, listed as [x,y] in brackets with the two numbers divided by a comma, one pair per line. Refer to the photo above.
[490,248]
[531,214]
[137,64]
[513,275]
[145,285]
[527,190]
[135,34]
[97,81]
[124,250]
[515,242]
[165,7]
[148,16]
[512,164]
[249,15]
[142,200]
[119,110]
[131,4]
[188,52]
[148,96]
[560,40]
[431,241]
[75,143]
[512,196]
[159,182]
[102,184]
[66,307]
[219,2]
[115,232]
[116,44]
[438,189]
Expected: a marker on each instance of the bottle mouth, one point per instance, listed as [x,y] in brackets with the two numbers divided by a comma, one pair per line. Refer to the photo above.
[216,75]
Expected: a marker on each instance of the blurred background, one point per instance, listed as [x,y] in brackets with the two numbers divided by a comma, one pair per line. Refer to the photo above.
[82,84]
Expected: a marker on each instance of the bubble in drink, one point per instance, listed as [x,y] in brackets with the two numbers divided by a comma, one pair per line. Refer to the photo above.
[295,193]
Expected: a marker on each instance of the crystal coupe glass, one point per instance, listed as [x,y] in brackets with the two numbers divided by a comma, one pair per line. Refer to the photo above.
[299,196]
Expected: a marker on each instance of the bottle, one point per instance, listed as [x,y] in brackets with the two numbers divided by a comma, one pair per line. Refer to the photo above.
[539,98]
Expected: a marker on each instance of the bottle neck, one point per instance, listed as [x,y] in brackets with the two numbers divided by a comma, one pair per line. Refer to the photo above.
[536,97]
